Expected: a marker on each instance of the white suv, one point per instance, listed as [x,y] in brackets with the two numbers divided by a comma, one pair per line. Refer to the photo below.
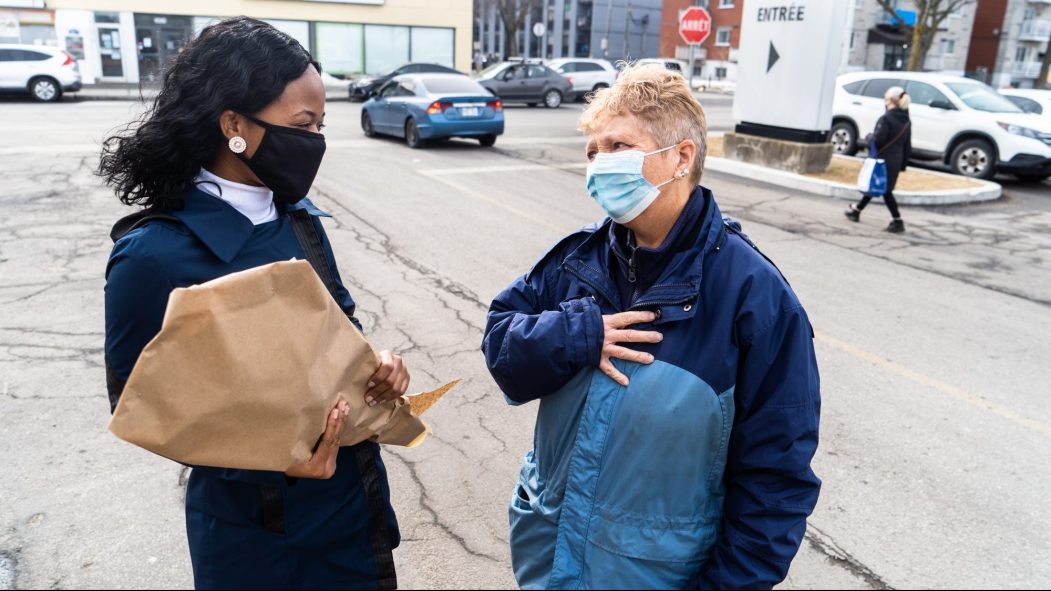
[587,75]
[42,71]
[960,122]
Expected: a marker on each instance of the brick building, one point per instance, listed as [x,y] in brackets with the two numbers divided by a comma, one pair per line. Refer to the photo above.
[717,57]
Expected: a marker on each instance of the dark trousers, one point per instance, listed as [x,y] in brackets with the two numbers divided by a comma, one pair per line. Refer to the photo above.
[888,198]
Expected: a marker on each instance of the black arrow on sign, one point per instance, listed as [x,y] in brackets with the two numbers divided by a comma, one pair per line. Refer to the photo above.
[773,57]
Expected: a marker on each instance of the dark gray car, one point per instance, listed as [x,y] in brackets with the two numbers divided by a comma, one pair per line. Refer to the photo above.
[528,83]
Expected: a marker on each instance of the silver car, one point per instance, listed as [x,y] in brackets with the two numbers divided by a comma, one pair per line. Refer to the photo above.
[526,82]
[41,71]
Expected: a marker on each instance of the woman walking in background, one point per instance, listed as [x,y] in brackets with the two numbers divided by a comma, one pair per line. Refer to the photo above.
[893,135]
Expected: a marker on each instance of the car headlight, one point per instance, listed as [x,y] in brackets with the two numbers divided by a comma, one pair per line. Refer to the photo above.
[1019,130]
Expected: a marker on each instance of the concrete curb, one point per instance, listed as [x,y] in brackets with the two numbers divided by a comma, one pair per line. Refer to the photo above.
[987,191]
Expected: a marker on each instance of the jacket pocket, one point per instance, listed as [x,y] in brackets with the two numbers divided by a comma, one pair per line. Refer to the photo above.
[629,552]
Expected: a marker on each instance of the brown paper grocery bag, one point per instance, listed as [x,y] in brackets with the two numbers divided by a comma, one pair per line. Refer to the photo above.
[245,370]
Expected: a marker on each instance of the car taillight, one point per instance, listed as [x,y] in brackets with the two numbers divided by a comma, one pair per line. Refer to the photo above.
[438,107]
[497,106]
[69,59]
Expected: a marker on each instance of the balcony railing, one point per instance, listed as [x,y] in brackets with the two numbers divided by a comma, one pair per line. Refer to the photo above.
[1035,30]
[1026,69]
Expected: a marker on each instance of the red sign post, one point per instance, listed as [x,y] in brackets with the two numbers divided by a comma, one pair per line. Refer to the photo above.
[695,25]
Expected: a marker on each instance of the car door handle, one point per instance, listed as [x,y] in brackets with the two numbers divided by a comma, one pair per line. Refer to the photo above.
[858,103]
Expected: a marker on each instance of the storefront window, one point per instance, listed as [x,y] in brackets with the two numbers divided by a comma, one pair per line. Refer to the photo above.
[298,30]
[339,48]
[433,46]
[387,48]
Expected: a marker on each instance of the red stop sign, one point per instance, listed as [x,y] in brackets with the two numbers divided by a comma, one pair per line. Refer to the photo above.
[695,25]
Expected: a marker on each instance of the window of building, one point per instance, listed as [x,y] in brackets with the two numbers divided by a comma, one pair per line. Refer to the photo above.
[387,47]
[948,46]
[1022,54]
[338,47]
[431,45]
[720,73]
[726,3]
[298,30]
[107,17]
[853,36]
[722,36]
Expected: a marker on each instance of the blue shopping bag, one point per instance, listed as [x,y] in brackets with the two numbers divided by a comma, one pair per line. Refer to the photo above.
[872,180]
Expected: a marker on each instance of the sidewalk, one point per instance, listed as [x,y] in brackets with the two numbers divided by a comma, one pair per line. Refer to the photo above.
[115,91]
[915,186]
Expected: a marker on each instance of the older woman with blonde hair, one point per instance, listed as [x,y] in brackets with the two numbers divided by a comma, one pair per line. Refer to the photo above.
[675,369]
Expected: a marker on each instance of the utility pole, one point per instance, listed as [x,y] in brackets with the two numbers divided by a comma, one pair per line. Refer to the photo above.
[627,27]
[609,23]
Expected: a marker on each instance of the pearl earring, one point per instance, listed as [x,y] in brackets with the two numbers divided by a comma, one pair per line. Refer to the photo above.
[682,173]
[238,144]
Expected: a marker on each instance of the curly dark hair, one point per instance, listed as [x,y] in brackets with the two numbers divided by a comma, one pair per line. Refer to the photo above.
[241,63]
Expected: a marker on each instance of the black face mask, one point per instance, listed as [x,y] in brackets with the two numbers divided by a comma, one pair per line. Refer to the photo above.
[287,160]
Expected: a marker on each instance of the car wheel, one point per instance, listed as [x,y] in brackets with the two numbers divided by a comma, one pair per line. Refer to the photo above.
[412,135]
[1033,178]
[45,90]
[552,99]
[366,125]
[844,138]
[974,158]
[487,141]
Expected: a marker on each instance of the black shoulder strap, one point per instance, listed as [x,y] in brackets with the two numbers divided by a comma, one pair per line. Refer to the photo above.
[136,220]
[310,242]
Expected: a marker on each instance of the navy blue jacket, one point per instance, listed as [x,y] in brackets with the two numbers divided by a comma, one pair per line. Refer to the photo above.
[697,473]
[326,533]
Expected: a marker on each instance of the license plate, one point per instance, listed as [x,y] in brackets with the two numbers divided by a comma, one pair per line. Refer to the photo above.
[469,111]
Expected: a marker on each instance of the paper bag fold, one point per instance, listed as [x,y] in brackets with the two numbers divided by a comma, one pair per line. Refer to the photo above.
[245,369]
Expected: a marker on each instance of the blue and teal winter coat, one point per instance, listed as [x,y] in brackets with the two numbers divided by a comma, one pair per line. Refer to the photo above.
[697,474]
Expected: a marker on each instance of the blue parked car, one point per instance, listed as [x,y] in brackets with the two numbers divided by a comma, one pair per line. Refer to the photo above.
[433,106]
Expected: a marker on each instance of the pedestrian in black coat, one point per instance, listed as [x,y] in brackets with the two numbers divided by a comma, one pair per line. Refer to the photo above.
[893,136]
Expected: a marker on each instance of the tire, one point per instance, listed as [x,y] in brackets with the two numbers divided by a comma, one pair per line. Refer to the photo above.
[1033,178]
[366,124]
[44,89]
[412,135]
[552,99]
[844,138]
[974,158]
[487,141]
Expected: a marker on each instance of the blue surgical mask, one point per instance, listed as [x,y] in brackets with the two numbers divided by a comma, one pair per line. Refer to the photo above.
[615,181]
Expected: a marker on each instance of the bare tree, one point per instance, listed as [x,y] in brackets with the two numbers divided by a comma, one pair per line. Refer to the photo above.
[1045,65]
[929,16]
[513,14]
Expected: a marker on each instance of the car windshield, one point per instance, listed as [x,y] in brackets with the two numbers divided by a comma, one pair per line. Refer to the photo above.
[492,70]
[453,85]
[980,97]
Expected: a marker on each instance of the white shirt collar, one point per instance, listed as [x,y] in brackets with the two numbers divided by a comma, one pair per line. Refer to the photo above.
[255,203]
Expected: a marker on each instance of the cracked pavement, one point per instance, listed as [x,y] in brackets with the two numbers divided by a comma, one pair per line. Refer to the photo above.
[932,345]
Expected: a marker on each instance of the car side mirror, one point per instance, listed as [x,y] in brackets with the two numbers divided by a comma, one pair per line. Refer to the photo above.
[940,104]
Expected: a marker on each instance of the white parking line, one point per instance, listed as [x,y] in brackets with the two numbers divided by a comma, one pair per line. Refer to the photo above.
[501,168]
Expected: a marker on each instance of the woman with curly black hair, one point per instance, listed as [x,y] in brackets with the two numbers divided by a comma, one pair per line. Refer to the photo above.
[221,164]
